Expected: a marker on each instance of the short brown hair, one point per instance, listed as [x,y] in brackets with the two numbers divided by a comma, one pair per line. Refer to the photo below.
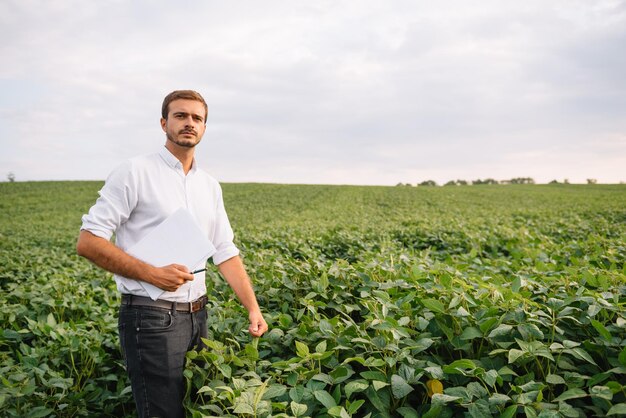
[186,95]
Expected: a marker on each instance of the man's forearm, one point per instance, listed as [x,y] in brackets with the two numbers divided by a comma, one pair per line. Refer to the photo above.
[108,256]
[235,274]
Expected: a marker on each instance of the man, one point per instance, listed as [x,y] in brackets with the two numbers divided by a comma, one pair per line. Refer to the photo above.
[138,196]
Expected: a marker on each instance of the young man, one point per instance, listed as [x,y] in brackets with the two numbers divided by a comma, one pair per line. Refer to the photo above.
[138,196]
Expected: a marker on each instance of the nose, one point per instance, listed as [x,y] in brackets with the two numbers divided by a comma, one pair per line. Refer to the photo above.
[189,122]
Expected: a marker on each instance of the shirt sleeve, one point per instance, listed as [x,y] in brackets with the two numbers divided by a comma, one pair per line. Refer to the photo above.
[223,237]
[117,199]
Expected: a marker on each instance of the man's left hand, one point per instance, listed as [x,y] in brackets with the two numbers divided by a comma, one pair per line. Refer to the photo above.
[258,326]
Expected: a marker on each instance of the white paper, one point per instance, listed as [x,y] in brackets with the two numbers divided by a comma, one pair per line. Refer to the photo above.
[177,239]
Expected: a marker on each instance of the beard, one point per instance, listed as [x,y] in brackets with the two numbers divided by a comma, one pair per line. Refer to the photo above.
[182,141]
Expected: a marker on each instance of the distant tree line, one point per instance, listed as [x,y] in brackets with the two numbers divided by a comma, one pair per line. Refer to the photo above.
[516,180]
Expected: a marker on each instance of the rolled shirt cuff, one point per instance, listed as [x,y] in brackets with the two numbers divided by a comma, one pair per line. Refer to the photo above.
[102,233]
[224,254]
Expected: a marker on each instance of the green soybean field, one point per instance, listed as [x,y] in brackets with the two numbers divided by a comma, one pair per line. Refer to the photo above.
[461,301]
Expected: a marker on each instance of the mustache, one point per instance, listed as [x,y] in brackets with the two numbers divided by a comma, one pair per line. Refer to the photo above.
[188,131]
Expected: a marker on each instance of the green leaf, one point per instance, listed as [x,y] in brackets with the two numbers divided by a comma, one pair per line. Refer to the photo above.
[476,390]
[530,331]
[498,399]
[479,409]
[570,344]
[374,375]
[323,377]
[274,391]
[470,334]
[337,394]
[622,354]
[594,309]
[338,411]
[617,409]
[407,412]
[374,362]
[243,408]
[462,312]
[584,355]
[440,399]
[435,372]
[340,374]
[532,386]
[399,387]
[555,379]
[598,378]
[568,411]
[434,305]
[324,281]
[433,412]
[355,386]
[487,324]
[302,350]
[354,406]
[325,398]
[296,393]
[571,394]
[377,384]
[615,387]
[530,412]
[500,330]
[40,411]
[298,409]
[326,327]
[601,330]
[205,389]
[459,366]
[252,352]
[515,354]
[321,347]
[602,392]
[379,401]
[421,345]
[510,412]
[225,369]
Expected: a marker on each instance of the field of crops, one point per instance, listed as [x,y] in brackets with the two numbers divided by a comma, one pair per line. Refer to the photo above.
[468,301]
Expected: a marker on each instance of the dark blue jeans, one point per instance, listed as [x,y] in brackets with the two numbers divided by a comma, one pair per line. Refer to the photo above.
[154,343]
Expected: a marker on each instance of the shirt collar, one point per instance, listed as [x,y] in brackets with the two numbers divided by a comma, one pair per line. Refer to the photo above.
[173,162]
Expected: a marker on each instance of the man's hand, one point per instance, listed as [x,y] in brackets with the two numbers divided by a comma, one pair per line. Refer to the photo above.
[258,326]
[170,277]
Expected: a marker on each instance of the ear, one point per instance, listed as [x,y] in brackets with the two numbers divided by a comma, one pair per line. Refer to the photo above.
[163,124]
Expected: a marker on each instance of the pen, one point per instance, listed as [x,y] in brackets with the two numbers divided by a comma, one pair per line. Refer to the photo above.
[198,271]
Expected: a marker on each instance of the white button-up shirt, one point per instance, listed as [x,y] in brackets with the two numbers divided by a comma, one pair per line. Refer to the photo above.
[141,193]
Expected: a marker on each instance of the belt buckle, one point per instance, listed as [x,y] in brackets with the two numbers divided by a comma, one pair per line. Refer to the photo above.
[190,306]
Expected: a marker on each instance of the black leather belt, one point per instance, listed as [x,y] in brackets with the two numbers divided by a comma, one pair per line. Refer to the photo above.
[193,306]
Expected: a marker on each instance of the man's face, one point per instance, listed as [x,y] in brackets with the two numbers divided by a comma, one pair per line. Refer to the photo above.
[185,122]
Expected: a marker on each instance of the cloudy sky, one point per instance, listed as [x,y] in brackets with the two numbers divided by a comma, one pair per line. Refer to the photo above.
[338,92]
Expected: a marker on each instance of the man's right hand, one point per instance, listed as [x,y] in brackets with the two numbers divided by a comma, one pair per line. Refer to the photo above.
[170,277]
